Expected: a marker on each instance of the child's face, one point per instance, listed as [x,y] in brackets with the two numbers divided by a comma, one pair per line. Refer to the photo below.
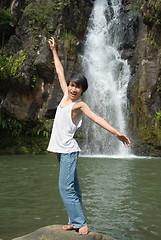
[74,90]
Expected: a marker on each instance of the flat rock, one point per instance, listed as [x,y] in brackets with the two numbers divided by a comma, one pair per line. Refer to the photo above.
[55,232]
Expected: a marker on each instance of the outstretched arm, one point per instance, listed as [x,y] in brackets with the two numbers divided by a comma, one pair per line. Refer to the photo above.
[58,66]
[100,121]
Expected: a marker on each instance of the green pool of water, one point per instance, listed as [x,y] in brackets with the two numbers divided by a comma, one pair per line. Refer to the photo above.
[121,197]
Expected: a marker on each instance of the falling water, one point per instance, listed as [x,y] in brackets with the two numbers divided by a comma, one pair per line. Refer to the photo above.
[108,77]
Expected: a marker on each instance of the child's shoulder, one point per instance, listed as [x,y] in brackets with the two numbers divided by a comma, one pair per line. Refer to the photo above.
[80,104]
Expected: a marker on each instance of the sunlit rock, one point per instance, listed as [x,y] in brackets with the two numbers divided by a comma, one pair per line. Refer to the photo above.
[55,232]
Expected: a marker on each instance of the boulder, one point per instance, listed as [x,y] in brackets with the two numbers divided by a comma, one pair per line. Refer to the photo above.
[55,232]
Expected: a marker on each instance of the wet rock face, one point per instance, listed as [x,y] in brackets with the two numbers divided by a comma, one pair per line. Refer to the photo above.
[145,76]
[128,32]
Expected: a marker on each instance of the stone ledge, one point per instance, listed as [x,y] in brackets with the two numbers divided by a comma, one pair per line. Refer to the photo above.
[55,232]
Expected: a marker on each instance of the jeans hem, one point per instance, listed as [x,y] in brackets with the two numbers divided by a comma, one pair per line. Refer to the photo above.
[79,226]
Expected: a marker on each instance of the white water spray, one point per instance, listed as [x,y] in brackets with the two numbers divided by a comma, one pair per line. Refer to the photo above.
[108,76]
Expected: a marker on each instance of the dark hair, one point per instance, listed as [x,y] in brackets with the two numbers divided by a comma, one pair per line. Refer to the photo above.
[78,79]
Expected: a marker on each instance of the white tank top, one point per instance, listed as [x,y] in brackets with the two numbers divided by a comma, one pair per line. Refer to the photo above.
[61,140]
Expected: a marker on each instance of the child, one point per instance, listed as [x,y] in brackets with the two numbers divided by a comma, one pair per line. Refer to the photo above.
[68,118]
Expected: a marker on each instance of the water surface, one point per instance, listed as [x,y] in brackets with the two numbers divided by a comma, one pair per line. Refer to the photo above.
[121,197]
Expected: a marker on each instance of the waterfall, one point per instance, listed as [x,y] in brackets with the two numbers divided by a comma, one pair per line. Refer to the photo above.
[108,76]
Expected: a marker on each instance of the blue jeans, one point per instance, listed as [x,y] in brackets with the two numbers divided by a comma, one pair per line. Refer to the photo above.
[69,188]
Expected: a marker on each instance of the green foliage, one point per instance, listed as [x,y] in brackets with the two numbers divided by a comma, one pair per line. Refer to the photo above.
[158,117]
[158,86]
[9,70]
[33,81]
[157,123]
[153,43]
[5,18]
[68,36]
[9,66]
[146,133]
[153,7]
[155,12]
[10,124]
[42,128]
[70,42]
[17,128]
[147,127]
[80,26]
[38,16]
[18,137]
[151,133]
[155,18]
[136,4]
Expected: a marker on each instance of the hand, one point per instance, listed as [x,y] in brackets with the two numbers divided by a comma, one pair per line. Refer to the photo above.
[123,138]
[52,44]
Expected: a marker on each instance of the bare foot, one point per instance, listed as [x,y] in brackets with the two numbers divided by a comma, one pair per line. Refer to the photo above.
[83,230]
[67,227]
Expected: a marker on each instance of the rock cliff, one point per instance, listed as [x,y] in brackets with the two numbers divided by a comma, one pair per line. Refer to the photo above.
[144,90]
[28,98]
[28,79]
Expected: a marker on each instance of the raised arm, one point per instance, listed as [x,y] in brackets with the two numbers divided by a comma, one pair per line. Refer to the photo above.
[58,66]
[100,121]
